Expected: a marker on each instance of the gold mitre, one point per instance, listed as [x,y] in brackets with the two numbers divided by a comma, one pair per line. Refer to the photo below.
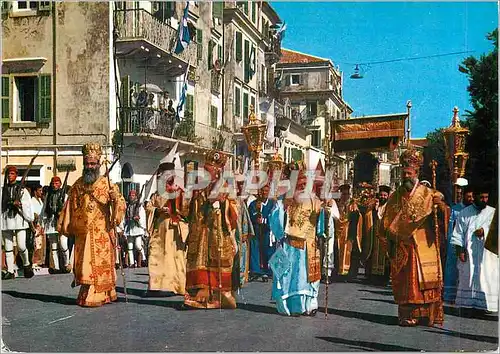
[216,158]
[411,158]
[92,150]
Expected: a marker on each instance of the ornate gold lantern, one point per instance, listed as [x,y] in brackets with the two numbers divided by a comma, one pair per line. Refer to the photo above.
[254,133]
[454,139]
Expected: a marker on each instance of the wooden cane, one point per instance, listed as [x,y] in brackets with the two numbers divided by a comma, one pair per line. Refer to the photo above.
[327,259]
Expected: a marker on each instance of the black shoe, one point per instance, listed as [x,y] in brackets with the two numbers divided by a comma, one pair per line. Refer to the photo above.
[265,278]
[28,272]
[53,271]
[144,264]
[117,266]
[7,276]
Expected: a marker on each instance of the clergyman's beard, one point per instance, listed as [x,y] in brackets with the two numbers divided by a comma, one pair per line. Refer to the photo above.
[382,201]
[408,184]
[90,175]
[480,205]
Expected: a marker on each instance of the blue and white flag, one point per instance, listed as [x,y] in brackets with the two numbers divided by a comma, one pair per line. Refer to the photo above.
[182,99]
[184,35]
[251,64]
[281,32]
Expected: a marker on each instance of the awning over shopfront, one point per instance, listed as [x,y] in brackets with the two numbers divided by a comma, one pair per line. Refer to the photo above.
[373,133]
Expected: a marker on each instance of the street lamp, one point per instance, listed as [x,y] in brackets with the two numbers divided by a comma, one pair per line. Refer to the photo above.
[454,139]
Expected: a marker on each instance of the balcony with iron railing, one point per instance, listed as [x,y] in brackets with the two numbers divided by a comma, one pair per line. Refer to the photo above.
[139,24]
[155,122]
[214,138]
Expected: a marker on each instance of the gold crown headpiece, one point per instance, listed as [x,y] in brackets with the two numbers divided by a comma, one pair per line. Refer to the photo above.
[92,150]
[411,158]
[216,158]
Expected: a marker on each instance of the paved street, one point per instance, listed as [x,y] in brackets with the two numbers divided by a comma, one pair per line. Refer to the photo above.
[40,315]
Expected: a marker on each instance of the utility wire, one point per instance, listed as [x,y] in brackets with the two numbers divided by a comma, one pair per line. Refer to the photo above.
[408,59]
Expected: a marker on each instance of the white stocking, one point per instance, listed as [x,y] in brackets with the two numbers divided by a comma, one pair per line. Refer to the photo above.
[130,248]
[9,249]
[63,241]
[53,247]
[138,246]
[21,246]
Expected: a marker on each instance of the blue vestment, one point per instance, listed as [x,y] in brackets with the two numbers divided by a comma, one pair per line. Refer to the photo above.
[259,258]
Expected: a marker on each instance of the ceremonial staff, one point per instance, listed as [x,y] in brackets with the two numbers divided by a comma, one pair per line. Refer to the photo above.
[436,225]
[116,244]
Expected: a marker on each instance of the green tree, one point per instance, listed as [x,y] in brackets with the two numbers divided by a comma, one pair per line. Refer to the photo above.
[482,142]
[436,150]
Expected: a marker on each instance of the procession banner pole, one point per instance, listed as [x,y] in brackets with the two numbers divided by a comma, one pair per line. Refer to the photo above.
[117,244]
[436,225]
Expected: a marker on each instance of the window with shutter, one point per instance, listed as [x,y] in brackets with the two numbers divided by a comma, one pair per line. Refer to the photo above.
[44,99]
[237,101]
[199,41]
[213,116]
[254,11]
[252,102]
[245,7]
[5,99]
[239,46]
[190,105]
[246,62]
[245,108]
[210,60]
[44,6]
[217,9]
[169,9]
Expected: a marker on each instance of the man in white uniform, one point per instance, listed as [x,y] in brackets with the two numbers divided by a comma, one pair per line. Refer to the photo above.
[477,267]
[135,225]
[17,213]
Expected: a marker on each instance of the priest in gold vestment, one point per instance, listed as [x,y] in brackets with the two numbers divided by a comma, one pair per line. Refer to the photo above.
[86,216]
[408,227]
[168,232]
[211,243]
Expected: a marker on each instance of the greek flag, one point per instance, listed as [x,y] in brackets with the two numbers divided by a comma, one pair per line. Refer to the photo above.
[251,63]
[281,32]
[182,99]
[184,35]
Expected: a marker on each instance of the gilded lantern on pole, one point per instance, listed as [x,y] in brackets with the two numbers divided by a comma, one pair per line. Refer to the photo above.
[454,138]
[254,133]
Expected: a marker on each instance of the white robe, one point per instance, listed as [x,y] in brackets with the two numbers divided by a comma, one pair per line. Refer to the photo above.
[18,222]
[135,229]
[478,276]
[334,215]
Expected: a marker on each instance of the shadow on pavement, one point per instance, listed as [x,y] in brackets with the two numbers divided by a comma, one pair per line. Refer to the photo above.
[368,345]
[258,308]
[377,292]
[476,337]
[63,300]
[370,317]
[379,300]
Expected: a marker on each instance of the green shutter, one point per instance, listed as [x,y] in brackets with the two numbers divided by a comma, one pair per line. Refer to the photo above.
[199,41]
[245,7]
[169,9]
[245,107]
[219,53]
[237,102]
[5,99]
[217,9]
[211,46]
[254,11]
[246,62]
[239,46]
[213,116]
[252,102]
[44,99]
[125,92]
[190,105]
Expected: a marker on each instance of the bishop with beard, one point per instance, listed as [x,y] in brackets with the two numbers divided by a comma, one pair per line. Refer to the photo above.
[86,216]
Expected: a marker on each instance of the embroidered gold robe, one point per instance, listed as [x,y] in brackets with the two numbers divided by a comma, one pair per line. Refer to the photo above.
[348,233]
[408,226]
[167,244]
[210,254]
[86,217]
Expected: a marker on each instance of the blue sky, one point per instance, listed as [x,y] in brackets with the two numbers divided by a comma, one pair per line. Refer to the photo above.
[361,32]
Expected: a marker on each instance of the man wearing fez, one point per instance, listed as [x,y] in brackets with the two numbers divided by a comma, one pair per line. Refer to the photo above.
[53,205]
[211,242]
[87,217]
[408,228]
[17,213]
